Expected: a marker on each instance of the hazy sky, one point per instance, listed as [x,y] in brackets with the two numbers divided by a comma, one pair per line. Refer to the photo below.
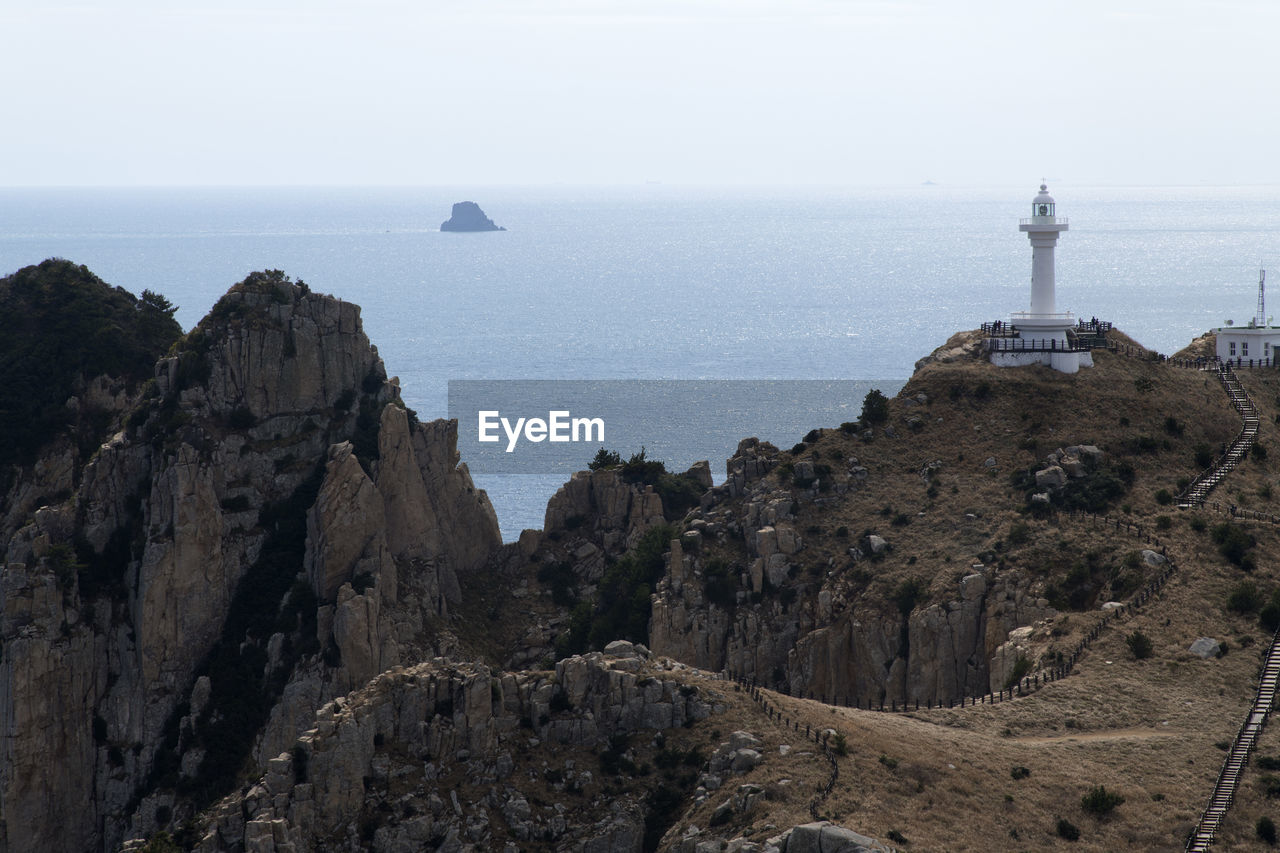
[738,92]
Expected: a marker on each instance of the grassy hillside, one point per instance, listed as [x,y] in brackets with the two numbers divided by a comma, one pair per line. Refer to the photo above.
[1152,730]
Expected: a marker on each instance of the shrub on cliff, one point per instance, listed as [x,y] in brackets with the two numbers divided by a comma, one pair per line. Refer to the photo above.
[60,326]
[679,492]
[1140,645]
[719,583]
[621,610]
[875,407]
[605,459]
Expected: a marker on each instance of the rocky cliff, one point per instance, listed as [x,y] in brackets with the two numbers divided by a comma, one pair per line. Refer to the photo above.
[268,528]
[439,756]
[74,352]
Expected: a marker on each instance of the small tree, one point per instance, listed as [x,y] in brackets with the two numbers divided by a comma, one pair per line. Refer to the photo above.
[1140,644]
[875,407]
[605,459]
[1100,802]
[157,302]
[1067,830]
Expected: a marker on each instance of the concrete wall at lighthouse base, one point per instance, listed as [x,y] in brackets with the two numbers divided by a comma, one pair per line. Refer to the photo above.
[1063,362]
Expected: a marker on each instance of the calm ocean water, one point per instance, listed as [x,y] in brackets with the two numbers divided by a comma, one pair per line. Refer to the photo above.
[661,283]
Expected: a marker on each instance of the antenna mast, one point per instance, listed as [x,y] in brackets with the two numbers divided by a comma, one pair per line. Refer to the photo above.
[1262,297]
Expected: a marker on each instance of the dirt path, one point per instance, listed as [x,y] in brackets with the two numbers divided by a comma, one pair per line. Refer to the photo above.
[1110,734]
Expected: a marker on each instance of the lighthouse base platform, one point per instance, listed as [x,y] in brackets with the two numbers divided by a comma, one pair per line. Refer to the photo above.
[1040,339]
[1063,362]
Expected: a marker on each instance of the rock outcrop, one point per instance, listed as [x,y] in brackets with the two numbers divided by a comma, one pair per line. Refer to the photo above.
[467,216]
[821,639]
[439,754]
[269,522]
[818,837]
[962,346]
[600,505]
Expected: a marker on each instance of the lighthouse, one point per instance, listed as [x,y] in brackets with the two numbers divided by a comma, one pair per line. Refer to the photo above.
[1043,229]
[1039,335]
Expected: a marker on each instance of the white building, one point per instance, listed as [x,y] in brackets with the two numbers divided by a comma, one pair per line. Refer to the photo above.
[1257,341]
[1039,334]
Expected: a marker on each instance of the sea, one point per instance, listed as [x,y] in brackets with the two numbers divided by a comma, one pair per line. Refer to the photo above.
[655,282]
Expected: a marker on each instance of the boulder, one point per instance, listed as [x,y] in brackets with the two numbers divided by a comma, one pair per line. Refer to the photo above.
[621,649]
[1052,477]
[1074,468]
[1089,454]
[1205,647]
[1152,558]
[745,760]
[700,473]
[826,837]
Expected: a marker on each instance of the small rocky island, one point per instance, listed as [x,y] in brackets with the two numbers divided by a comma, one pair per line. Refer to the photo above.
[467,216]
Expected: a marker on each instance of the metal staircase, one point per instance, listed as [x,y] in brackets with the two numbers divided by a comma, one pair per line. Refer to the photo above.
[1198,490]
[1229,777]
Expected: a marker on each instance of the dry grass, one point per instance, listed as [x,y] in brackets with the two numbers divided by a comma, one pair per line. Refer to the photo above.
[977,412]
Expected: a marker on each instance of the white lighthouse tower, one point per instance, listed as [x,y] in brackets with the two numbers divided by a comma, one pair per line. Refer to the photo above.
[1040,333]
[1043,229]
